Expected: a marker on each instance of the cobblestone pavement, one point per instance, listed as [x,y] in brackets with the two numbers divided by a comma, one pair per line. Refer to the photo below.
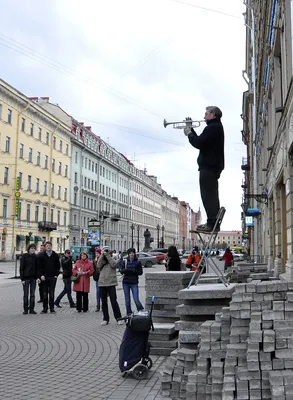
[64,356]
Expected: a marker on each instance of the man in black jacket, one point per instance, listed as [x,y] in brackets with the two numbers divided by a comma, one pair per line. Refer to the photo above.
[66,264]
[28,276]
[49,269]
[210,163]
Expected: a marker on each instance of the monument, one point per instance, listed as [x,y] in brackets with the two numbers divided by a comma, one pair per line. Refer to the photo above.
[147,240]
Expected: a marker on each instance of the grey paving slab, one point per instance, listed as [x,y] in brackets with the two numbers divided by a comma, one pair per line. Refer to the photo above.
[67,355]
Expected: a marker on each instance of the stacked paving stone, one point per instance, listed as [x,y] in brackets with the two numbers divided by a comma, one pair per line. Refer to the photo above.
[201,303]
[165,286]
[241,272]
[247,352]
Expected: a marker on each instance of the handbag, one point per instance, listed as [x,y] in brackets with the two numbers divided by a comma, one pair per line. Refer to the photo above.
[75,278]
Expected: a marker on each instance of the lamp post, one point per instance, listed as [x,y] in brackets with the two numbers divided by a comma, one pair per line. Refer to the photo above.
[138,228]
[132,229]
[158,237]
[163,230]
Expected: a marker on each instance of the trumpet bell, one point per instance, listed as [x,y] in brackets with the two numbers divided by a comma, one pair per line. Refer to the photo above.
[165,123]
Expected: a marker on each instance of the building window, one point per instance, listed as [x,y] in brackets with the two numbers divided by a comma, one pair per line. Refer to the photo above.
[32,129]
[74,240]
[85,163]
[44,214]
[52,214]
[74,199]
[85,182]
[74,219]
[54,142]
[47,137]
[6,175]
[5,208]
[30,154]
[61,146]
[29,183]
[92,204]
[90,164]
[66,171]
[75,177]
[88,203]
[65,218]
[65,194]
[59,192]
[37,210]
[84,202]
[53,164]
[0,111]
[52,190]
[40,134]
[38,158]
[46,162]
[28,213]
[45,187]
[67,150]
[22,124]
[58,217]
[20,180]
[38,185]
[96,168]
[7,144]
[9,116]
[21,150]
[76,157]
[60,168]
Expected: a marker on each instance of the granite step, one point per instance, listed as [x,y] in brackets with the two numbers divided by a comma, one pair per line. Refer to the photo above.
[198,309]
[208,291]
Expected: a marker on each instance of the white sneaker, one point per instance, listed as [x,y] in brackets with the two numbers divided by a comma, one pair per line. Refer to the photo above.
[105,323]
[121,322]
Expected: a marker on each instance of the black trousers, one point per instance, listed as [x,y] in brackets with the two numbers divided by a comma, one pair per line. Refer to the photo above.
[49,293]
[111,291]
[29,288]
[41,290]
[209,190]
[82,301]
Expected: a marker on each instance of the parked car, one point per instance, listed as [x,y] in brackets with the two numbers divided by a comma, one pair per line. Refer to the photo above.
[146,259]
[161,250]
[238,256]
[159,256]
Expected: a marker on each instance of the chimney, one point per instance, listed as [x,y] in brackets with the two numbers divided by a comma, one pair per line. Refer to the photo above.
[36,99]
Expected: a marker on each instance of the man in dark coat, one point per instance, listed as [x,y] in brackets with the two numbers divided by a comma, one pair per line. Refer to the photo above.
[49,269]
[66,264]
[210,163]
[28,277]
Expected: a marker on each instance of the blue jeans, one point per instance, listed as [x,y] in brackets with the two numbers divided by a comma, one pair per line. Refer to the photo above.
[134,288]
[66,290]
[98,297]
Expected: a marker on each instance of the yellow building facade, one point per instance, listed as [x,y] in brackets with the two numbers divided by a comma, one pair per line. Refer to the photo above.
[35,154]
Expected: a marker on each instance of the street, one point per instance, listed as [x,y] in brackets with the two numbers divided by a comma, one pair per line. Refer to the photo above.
[67,355]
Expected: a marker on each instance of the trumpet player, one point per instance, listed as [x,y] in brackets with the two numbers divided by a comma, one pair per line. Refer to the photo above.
[210,163]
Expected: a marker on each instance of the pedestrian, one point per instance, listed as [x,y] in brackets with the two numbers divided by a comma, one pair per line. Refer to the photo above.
[49,269]
[210,163]
[28,277]
[193,259]
[96,276]
[66,264]
[131,268]
[84,269]
[107,284]
[41,284]
[228,259]
[173,261]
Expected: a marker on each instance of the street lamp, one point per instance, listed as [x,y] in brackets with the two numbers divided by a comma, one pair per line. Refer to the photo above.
[138,228]
[163,230]
[158,229]
[132,226]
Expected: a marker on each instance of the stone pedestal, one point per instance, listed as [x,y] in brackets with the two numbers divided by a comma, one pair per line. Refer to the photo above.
[278,267]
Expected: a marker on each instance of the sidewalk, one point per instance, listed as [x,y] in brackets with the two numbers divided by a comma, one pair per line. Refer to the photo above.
[67,355]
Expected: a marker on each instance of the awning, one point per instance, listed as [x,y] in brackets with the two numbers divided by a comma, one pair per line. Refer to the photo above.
[38,239]
[20,237]
[30,238]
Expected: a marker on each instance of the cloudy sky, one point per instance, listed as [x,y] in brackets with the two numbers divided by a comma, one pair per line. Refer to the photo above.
[124,66]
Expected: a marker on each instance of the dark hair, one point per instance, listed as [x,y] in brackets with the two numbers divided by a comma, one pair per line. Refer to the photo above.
[215,110]
[83,252]
[228,250]
[172,251]
[30,246]
[48,242]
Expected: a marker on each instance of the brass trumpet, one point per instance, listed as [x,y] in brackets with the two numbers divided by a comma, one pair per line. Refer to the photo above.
[179,124]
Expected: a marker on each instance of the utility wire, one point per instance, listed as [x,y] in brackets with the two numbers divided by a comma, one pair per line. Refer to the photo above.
[208,9]
[36,56]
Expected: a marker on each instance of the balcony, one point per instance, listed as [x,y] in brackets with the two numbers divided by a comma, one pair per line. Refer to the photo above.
[245,164]
[47,226]
[104,214]
[115,217]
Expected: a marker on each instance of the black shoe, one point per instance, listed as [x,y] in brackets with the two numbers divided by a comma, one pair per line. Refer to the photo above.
[33,312]
[206,228]
[52,311]
[25,312]
[58,305]
[78,310]
[44,312]
[73,305]
[98,308]
[40,301]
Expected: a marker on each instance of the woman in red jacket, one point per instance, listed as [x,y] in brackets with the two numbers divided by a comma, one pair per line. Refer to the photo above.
[84,269]
[228,259]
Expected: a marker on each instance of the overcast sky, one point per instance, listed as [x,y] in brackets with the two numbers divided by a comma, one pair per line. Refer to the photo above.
[124,66]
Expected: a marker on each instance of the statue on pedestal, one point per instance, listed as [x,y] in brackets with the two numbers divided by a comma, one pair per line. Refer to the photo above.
[147,240]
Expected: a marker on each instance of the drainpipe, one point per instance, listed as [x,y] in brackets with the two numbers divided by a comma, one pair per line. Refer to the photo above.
[50,176]
[15,175]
